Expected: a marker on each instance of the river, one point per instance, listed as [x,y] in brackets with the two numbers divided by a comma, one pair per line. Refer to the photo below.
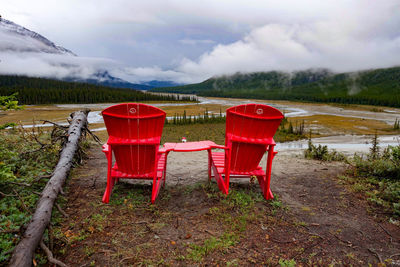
[348,144]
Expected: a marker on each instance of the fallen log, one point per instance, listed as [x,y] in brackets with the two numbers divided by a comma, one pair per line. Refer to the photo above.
[24,251]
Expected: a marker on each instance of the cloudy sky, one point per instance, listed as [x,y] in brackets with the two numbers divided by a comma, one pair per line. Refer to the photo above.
[189,41]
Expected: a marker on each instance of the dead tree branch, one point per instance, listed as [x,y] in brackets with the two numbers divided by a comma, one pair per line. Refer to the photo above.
[49,255]
[61,211]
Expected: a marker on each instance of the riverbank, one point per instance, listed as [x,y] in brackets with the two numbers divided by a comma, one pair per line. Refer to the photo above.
[346,128]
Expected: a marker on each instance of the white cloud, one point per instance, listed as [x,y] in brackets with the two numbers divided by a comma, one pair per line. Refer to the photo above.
[249,35]
[291,47]
[23,52]
[52,65]
[196,41]
[137,75]
[356,40]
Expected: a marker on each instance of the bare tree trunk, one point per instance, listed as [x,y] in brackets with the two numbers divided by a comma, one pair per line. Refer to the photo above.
[24,251]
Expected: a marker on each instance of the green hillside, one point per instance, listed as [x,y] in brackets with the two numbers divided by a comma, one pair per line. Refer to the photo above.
[47,91]
[372,87]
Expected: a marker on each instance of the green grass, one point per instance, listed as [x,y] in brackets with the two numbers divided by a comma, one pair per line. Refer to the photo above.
[130,195]
[377,175]
[287,263]
[198,252]
[234,212]
[21,162]
[27,158]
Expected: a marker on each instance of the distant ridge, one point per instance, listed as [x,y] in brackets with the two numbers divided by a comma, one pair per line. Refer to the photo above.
[157,84]
[370,87]
[105,79]
[48,91]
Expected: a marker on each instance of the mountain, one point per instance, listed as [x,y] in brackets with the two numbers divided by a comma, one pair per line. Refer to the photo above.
[21,46]
[373,87]
[273,80]
[156,84]
[15,38]
[105,79]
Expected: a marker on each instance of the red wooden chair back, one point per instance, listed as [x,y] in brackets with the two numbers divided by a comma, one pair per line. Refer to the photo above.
[134,132]
[249,130]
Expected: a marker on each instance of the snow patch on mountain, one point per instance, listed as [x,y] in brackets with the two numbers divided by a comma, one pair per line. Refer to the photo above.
[16,38]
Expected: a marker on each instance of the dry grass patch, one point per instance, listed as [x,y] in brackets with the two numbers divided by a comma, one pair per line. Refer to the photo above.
[348,125]
[194,109]
[194,132]
[35,113]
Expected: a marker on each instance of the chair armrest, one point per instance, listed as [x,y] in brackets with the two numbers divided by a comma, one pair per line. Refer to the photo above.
[106,148]
[220,147]
[162,150]
[273,142]
[165,150]
[167,147]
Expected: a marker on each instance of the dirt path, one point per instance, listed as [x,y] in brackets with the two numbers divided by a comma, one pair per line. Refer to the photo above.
[313,220]
[317,198]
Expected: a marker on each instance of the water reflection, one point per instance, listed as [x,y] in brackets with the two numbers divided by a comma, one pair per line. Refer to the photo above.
[347,144]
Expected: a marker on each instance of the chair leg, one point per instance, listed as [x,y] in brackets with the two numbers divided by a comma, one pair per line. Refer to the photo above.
[110,179]
[106,195]
[269,195]
[262,179]
[157,181]
[154,191]
[165,170]
[266,188]
[220,180]
[110,185]
[163,179]
[209,164]
[227,169]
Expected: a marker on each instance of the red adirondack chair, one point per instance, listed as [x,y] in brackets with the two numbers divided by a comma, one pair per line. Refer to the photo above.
[249,134]
[134,132]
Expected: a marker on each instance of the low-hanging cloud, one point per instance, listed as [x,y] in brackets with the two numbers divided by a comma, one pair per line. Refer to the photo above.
[363,36]
[265,35]
[295,47]
[138,75]
[52,65]
[290,48]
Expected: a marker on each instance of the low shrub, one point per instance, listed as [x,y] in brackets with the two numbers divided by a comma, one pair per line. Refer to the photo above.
[378,175]
[321,152]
